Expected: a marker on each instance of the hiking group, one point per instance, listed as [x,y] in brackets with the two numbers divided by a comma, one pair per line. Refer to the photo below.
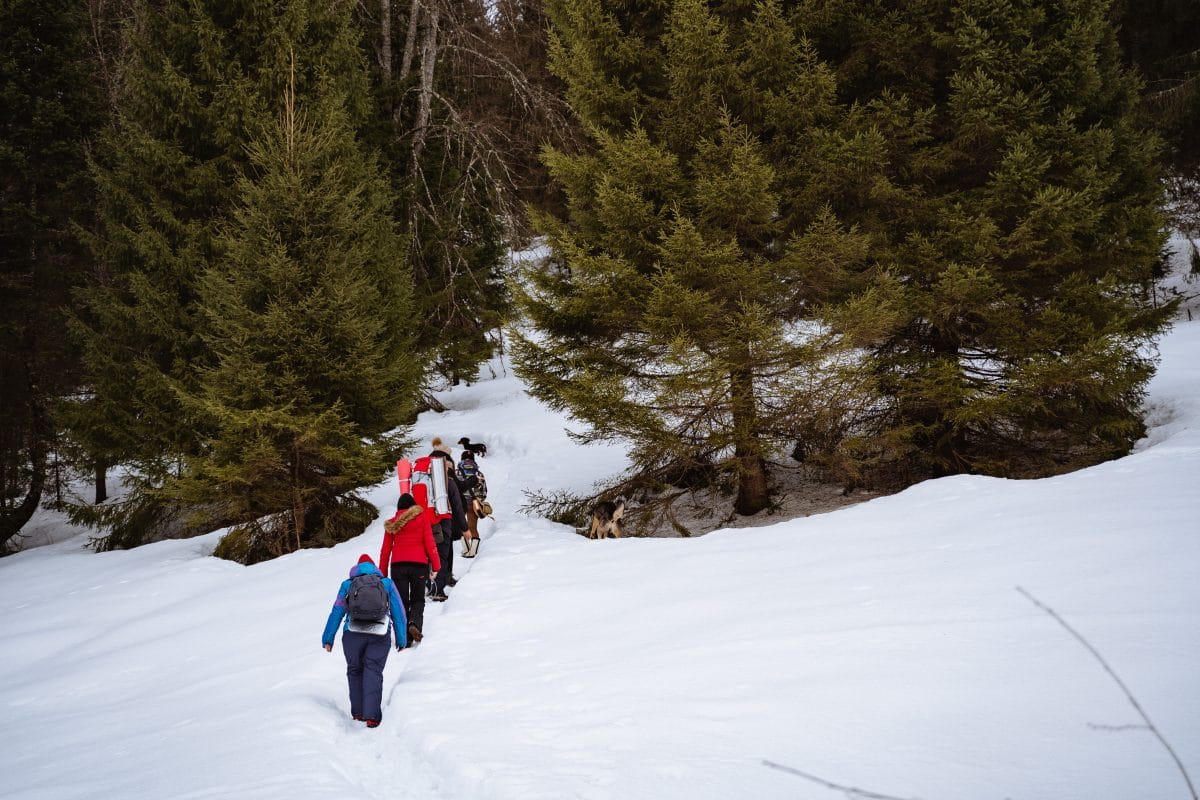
[440,503]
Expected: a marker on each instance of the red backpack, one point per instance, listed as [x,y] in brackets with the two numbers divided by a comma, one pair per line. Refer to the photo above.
[429,486]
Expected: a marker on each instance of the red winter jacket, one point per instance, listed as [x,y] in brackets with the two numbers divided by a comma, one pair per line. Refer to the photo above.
[407,536]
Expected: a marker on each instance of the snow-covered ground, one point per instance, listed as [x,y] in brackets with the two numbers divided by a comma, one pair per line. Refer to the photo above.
[884,646]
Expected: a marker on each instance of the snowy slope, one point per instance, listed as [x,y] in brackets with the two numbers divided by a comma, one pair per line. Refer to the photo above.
[884,646]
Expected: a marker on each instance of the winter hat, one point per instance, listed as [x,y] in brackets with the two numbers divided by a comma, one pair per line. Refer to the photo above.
[439,444]
[365,559]
[405,501]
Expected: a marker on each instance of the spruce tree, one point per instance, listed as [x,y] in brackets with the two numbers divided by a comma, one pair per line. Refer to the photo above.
[197,82]
[680,314]
[306,318]
[1019,201]
[1160,42]
[49,108]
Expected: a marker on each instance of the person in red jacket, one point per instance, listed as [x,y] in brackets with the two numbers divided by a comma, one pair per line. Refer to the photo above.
[412,559]
[448,524]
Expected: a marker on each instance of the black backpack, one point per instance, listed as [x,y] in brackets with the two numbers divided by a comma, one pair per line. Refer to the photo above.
[471,479]
[367,600]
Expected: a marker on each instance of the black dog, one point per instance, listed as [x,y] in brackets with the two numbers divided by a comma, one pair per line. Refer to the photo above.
[477,449]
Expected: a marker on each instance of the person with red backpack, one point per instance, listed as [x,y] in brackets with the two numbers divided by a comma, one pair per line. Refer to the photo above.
[434,487]
[372,610]
[412,559]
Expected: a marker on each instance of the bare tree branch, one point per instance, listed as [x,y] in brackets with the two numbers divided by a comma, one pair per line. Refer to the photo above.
[849,791]
[1116,678]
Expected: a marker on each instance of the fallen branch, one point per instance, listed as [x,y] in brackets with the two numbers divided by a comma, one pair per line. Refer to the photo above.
[849,791]
[1128,694]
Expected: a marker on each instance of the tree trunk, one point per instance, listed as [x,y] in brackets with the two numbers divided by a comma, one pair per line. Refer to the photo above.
[101,481]
[945,439]
[12,520]
[425,98]
[752,495]
[58,482]
[298,509]
[410,40]
[385,39]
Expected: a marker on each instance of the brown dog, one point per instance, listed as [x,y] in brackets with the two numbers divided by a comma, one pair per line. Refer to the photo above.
[606,519]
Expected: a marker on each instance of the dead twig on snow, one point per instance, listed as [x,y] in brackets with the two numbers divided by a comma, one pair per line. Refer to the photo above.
[849,791]
[1128,694]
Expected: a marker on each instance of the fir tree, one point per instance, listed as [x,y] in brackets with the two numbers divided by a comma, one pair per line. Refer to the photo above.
[681,314]
[1020,202]
[49,108]
[198,80]
[1159,39]
[305,318]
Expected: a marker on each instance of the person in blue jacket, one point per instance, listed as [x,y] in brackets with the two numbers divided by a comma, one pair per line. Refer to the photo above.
[366,644]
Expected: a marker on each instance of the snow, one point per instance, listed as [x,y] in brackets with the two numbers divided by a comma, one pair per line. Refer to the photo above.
[883,646]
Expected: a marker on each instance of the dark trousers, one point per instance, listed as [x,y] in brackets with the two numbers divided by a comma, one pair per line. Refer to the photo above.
[366,653]
[446,554]
[410,577]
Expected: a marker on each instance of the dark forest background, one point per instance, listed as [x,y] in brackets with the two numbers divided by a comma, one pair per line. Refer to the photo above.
[241,243]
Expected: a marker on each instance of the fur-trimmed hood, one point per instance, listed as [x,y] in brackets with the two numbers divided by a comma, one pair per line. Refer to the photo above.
[402,518]
[408,537]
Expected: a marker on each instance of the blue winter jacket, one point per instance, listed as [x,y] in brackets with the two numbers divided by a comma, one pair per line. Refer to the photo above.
[399,621]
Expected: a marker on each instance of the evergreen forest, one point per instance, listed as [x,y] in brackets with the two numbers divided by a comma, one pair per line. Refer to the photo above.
[243,243]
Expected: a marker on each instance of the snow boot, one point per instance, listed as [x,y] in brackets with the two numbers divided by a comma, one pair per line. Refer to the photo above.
[472,548]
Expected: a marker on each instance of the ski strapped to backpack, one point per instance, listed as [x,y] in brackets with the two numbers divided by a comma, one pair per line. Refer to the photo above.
[430,472]
[367,599]
[404,475]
